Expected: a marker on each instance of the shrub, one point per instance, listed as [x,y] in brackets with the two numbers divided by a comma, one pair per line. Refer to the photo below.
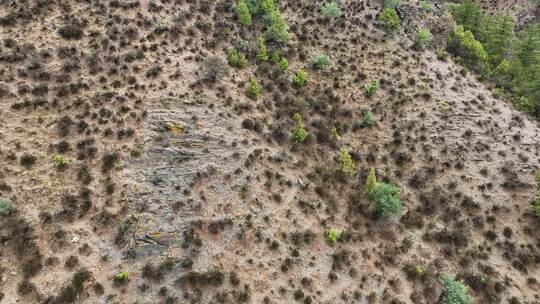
[372,88]
[236,59]
[28,160]
[60,161]
[331,10]
[214,69]
[454,292]
[254,89]
[392,3]
[387,201]
[425,6]
[6,206]
[242,11]
[70,32]
[299,132]
[389,18]
[278,29]
[321,61]
[121,276]
[371,181]
[469,15]
[267,6]
[423,37]
[300,78]
[347,164]
[283,65]
[262,52]
[496,37]
[332,236]
[368,119]
[462,43]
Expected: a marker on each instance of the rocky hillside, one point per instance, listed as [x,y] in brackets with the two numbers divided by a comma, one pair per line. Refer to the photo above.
[134,168]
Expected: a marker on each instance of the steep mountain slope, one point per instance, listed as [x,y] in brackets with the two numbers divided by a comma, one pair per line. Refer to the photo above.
[201,194]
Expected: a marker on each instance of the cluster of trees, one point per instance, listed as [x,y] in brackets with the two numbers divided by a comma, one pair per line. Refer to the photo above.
[491,46]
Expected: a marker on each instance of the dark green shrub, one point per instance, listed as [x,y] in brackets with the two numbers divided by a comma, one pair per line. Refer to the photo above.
[454,292]
[386,199]
[368,119]
[321,61]
[331,10]
[6,206]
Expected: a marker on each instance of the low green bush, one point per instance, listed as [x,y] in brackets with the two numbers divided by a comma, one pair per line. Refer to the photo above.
[387,201]
[299,132]
[6,206]
[121,276]
[372,88]
[262,52]
[321,61]
[283,65]
[455,292]
[60,161]
[236,59]
[254,89]
[242,11]
[300,78]
[331,10]
[368,119]
[331,236]
[347,164]
[423,38]
[277,29]
[389,18]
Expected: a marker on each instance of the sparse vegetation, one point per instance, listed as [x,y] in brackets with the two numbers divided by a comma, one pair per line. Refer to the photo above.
[60,161]
[214,69]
